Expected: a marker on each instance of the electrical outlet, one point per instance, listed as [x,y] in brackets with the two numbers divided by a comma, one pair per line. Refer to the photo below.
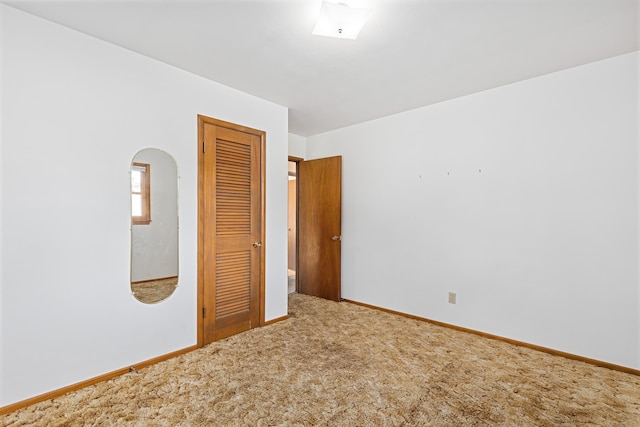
[452,297]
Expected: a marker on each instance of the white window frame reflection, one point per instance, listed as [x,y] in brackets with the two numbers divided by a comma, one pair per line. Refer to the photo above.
[141,193]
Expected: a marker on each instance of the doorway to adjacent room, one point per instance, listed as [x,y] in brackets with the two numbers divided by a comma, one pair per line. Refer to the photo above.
[292,226]
[314,227]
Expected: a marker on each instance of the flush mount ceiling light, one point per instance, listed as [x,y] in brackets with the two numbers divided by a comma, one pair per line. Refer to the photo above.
[341,20]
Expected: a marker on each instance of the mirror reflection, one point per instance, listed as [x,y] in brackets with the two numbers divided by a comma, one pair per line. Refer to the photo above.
[154,225]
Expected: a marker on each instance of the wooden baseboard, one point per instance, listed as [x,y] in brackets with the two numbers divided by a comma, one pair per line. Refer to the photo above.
[276,320]
[82,384]
[154,280]
[64,390]
[595,362]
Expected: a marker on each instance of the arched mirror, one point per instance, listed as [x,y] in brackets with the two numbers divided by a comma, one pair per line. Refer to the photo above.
[154,226]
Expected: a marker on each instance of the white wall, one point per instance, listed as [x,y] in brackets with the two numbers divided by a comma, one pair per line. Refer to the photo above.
[1,198]
[154,246]
[522,199]
[297,146]
[75,111]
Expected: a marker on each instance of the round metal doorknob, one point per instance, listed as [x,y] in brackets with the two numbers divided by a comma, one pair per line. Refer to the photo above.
[334,238]
[257,244]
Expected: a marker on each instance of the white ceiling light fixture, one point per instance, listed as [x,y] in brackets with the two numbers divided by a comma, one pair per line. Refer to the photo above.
[341,20]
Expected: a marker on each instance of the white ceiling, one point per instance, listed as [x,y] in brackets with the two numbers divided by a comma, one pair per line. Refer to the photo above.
[409,54]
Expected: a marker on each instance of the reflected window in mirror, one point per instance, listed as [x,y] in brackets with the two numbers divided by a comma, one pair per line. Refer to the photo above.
[154,243]
[141,193]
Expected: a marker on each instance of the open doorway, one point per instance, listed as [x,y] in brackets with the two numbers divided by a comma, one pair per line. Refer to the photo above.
[314,227]
[292,259]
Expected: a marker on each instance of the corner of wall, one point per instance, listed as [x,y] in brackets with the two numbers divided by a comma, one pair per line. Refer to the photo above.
[297,146]
[478,226]
[54,53]
[1,169]
[638,191]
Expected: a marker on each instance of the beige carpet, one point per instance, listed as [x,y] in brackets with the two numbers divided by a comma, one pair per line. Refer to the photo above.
[153,291]
[336,364]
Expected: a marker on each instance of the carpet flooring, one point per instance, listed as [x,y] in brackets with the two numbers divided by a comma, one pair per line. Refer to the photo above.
[153,291]
[338,364]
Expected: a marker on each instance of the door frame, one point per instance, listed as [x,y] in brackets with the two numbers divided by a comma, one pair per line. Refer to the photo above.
[297,161]
[202,120]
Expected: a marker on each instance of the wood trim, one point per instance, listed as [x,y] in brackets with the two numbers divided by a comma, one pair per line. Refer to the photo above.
[297,161]
[229,125]
[276,320]
[153,280]
[202,120]
[547,350]
[297,225]
[263,223]
[200,273]
[86,383]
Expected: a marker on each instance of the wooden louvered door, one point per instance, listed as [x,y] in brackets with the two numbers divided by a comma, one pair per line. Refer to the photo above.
[231,224]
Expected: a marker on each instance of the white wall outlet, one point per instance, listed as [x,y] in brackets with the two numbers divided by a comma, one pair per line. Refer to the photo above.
[452,297]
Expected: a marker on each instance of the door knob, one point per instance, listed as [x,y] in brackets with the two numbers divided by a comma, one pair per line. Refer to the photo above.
[257,244]
[334,238]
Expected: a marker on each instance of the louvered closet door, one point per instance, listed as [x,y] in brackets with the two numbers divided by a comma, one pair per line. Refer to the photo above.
[232,232]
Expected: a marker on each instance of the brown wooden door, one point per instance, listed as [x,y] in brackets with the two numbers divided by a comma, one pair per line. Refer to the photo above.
[319,227]
[231,222]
